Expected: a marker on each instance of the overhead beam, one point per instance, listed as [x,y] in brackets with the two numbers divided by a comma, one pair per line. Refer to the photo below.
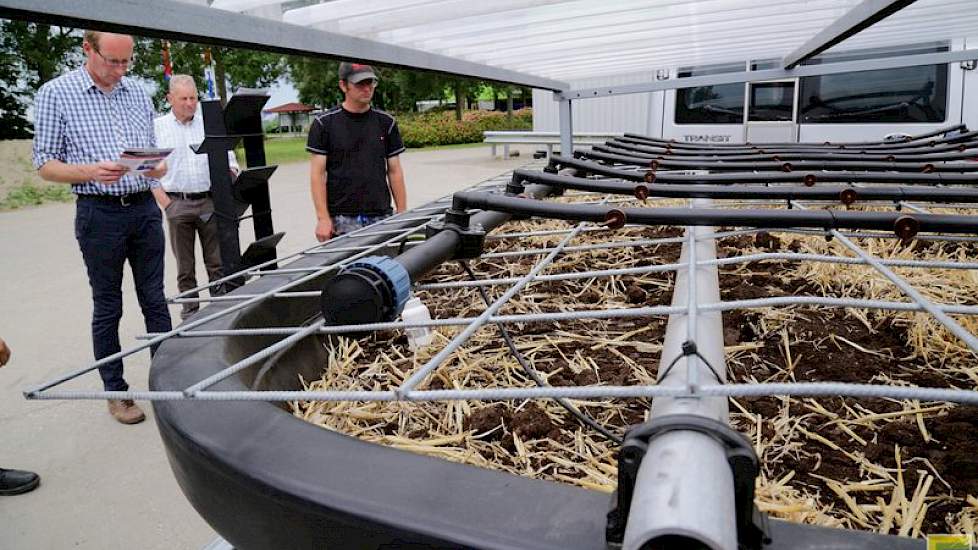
[194,23]
[773,74]
[858,18]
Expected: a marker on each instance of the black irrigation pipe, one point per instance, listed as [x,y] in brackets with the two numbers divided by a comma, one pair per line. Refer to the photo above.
[806,178]
[961,153]
[804,148]
[601,153]
[919,140]
[845,194]
[903,225]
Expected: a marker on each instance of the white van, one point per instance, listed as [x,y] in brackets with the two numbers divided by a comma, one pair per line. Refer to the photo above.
[862,106]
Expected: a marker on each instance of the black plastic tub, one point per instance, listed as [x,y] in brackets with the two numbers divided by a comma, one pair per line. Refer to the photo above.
[265,479]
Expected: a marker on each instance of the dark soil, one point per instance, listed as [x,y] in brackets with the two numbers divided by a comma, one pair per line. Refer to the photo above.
[816,357]
[954,448]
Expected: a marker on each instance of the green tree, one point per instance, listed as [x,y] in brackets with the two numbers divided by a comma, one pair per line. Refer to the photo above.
[247,68]
[316,80]
[42,51]
[32,54]
[13,112]
[464,89]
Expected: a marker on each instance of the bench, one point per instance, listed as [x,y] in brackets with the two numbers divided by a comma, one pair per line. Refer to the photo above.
[542,138]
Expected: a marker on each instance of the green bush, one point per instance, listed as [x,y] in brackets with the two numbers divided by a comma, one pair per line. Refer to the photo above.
[441,128]
[28,194]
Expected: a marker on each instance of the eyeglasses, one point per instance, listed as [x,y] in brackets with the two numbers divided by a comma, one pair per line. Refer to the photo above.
[115,62]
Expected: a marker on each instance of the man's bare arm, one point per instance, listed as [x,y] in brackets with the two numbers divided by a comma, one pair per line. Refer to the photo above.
[317,186]
[395,178]
[103,172]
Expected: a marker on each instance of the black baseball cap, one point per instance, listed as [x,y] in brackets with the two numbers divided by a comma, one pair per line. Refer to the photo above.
[356,72]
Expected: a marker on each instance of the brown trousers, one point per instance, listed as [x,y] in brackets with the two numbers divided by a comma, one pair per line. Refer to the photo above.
[187,218]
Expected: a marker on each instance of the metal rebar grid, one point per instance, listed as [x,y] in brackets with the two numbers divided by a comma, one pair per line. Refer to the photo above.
[693,387]
[33,392]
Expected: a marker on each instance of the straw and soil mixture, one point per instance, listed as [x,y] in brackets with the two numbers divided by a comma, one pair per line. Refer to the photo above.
[901,467]
[889,466]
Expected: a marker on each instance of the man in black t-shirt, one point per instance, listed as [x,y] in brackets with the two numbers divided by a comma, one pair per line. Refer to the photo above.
[355,168]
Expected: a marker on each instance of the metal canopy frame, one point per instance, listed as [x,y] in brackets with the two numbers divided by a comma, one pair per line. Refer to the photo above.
[859,18]
[184,21]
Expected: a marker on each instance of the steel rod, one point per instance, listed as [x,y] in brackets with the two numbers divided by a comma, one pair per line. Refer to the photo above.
[794,389]
[593,314]
[970,339]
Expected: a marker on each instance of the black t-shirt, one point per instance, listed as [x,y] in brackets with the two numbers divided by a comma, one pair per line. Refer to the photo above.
[357,146]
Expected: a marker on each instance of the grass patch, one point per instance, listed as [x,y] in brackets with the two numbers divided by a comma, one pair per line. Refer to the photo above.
[293,149]
[283,150]
[28,194]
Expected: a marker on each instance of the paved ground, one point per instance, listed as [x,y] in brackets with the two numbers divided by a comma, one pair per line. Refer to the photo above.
[105,485]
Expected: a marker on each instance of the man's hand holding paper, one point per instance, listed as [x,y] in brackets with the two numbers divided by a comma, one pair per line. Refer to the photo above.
[144,159]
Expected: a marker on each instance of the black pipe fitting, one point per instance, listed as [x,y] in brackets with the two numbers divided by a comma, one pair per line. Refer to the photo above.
[471,238]
[515,186]
[370,290]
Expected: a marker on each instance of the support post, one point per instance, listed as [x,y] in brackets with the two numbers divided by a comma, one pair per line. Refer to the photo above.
[670,505]
[566,128]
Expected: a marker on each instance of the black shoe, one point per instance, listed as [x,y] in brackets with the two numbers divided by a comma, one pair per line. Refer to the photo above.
[15,482]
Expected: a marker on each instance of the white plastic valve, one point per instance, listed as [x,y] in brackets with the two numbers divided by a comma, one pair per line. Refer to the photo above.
[416,312]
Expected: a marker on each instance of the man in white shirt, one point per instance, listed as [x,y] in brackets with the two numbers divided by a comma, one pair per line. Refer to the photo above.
[188,206]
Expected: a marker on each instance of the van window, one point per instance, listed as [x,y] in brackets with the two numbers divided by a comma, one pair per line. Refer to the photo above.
[772,101]
[719,104]
[907,94]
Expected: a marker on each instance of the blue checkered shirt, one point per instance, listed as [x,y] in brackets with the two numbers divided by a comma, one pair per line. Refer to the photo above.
[76,123]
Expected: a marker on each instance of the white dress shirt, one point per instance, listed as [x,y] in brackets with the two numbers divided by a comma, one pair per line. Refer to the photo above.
[187,172]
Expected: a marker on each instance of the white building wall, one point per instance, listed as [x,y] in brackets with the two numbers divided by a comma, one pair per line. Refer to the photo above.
[637,113]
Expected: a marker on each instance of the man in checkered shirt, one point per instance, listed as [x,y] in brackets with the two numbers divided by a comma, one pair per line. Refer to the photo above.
[83,121]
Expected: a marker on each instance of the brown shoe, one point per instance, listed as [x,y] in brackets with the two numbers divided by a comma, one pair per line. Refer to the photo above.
[126,411]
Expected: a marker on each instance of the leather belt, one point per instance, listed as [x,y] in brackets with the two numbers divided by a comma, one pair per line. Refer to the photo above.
[122,200]
[189,196]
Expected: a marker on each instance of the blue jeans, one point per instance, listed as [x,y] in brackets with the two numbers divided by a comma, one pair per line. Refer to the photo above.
[343,223]
[108,235]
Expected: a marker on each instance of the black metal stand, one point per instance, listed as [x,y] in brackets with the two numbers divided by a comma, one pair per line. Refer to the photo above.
[223,127]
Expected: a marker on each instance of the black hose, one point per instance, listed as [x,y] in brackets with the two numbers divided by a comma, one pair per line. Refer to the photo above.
[601,153]
[582,417]
[800,148]
[420,260]
[808,178]
[640,151]
[919,140]
[767,218]
[846,194]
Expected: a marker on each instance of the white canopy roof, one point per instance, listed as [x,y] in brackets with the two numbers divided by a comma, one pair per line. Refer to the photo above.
[570,40]
[545,44]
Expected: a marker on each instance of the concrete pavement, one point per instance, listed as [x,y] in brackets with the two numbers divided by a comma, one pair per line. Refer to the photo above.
[105,485]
